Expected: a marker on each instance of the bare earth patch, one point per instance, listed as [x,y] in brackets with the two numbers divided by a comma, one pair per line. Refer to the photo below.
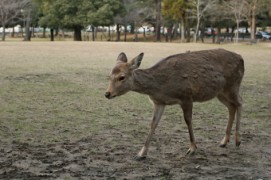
[56,124]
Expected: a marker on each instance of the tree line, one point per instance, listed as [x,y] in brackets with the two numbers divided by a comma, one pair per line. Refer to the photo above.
[184,19]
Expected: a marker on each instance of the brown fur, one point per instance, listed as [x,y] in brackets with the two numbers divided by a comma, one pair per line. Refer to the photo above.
[183,79]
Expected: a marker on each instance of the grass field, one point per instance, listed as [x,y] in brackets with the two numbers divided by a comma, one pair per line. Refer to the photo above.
[56,123]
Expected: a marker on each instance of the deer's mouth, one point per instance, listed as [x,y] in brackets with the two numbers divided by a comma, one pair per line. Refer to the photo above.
[108,95]
[111,97]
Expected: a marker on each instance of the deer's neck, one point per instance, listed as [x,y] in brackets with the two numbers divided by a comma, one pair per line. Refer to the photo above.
[143,82]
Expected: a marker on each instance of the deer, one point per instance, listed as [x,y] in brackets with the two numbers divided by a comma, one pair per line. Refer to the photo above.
[181,79]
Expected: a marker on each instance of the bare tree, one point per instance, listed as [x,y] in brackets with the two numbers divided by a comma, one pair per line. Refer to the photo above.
[158,20]
[9,10]
[201,7]
[27,19]
[128,18]
[253,8]
[133,16]
[239,10]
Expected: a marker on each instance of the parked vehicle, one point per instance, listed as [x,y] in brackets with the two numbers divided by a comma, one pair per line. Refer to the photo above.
[263,35]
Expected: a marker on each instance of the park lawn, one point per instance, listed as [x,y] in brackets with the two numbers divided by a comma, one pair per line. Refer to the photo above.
[54,91]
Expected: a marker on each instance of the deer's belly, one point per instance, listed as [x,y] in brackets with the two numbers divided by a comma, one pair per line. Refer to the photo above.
[207,88]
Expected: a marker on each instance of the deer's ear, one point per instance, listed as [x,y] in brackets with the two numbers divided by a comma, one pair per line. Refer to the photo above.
[122,57]
[135,63]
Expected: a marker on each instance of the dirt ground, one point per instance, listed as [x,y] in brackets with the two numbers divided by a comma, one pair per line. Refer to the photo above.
[92,158]
[108,153]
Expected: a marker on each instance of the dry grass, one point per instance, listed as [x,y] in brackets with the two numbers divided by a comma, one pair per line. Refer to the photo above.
[56,124]
[53,91]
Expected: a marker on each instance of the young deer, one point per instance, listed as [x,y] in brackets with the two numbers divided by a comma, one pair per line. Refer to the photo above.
[183,79]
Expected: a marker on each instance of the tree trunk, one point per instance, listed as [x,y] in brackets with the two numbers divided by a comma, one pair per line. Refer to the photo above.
[169,33]
[187,29]
[77,33]
[182,31]
[237,31]
[232,33]
[174,33]
[52,34]
[198,21]
[32,32]
[63,34]
[213,35]
[158,20]
[4,32]
[132,28]
[125,33]
[118,32]
[109,34]
[202,33]
[27,28]
[196,31]
[13,32]
[253,21]
[136,36]
[43,32]
[218,38]
[57,32]
[93,32]
[144,34]
[135,32]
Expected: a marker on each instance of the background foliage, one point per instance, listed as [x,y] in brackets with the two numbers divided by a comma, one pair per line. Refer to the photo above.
[179,16]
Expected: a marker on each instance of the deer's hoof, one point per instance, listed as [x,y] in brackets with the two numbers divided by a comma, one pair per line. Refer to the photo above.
[190,152]
[237,144]
[224,142]
[237,140]
[139,158]
[222,145]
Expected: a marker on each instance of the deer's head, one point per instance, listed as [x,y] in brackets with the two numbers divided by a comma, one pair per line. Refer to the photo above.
[120,78]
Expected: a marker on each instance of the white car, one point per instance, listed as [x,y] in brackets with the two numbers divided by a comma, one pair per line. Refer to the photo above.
[263,35]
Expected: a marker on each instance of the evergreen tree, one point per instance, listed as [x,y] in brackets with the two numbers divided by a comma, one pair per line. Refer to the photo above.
[74,14]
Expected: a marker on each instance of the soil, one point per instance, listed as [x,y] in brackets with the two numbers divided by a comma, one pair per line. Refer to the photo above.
[108,152]
[95,157]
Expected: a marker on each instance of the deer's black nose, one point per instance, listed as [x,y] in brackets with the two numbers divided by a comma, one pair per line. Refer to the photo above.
[107,95]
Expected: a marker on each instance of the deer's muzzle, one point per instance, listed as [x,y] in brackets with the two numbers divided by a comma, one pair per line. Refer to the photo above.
[107,95]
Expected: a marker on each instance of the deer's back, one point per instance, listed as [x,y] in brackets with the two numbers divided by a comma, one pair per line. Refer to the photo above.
[199,75]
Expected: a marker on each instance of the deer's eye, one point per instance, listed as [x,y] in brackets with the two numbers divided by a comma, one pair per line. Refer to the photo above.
[121,78]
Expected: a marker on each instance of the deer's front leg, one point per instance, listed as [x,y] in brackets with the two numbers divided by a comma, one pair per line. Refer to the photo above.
[157,114]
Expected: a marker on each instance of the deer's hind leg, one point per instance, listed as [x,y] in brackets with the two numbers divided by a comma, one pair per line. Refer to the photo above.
[187,112]
[238,119]
[233,102]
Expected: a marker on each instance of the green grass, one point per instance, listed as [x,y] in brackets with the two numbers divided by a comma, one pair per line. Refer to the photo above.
[52,92]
